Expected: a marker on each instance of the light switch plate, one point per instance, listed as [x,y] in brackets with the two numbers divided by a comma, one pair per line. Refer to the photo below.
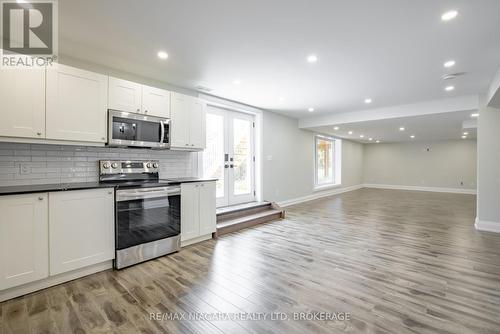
[24,169]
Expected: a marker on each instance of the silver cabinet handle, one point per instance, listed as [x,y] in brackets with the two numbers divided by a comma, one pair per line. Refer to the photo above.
[187,144]
[192,144]
[38,133]
[40,198]
[202,185]
[138,110]
[102,138]
[145,111]
[110,192]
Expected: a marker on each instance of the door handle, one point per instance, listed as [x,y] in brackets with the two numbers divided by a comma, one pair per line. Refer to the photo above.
[232,166]
[226,166]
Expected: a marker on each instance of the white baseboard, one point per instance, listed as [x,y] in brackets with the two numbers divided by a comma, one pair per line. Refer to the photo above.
[53,280]
[482,225]
[185,243]
[318,195]
[416,188]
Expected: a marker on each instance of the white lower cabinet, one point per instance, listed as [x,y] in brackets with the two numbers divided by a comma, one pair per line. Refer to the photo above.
[24,244]
[198,215]
[81,228]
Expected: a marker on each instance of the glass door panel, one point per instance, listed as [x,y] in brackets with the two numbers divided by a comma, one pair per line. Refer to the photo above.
[242,156]
[213,156]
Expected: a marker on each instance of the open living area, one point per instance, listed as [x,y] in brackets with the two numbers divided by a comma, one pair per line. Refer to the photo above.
[250,166]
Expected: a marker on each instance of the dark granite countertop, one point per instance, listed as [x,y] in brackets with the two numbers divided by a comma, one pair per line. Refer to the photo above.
[41,188]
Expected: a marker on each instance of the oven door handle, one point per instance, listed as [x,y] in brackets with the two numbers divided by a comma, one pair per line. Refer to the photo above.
[130,195]
[162,137]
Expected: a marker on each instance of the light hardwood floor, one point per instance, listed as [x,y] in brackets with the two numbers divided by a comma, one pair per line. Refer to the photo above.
[397,261]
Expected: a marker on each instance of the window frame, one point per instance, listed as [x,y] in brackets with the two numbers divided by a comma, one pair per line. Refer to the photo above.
[337,162]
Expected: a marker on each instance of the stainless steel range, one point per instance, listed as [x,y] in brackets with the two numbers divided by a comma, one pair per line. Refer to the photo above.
[148,210]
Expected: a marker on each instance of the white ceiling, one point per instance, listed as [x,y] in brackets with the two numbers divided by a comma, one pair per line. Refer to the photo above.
[390,50]
[434,127]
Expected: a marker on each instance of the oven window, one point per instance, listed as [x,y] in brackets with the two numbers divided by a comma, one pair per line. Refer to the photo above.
[144,220]
[136,130]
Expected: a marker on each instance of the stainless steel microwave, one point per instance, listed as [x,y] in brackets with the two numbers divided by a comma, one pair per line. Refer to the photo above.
[136,130]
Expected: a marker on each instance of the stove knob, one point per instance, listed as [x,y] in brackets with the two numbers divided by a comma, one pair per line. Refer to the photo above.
[106,165]
[149,165]
[155,165]
[114,165]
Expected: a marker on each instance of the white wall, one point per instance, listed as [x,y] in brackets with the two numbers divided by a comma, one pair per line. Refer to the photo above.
[442,164]
[488,199]
[290,172]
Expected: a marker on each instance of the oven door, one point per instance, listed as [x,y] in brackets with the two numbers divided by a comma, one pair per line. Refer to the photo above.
[129,129]
[146,215]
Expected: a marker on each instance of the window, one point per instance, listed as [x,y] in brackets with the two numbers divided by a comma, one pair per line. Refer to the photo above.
[327,161]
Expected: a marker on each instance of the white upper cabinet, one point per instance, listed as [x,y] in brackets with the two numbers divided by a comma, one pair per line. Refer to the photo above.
[22,98]
[124,95]
[76,105]
[197,124]
[188,124]
[24,239]
[133,97]
[81,228]
[155,101]
[179,126]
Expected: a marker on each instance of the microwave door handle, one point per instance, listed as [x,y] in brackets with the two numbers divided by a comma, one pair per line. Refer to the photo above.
[162,136]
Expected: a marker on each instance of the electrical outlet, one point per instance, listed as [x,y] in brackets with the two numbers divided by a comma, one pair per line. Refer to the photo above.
[24,169]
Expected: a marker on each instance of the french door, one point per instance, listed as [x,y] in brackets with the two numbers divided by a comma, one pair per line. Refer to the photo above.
[230,155]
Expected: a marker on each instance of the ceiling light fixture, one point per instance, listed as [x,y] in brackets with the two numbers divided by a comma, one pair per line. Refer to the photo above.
[412,136]
[310,109]
[402,128]
[335,127]
[450,15]
[350,132]
[312,58]
[281,98]
[236,82]
[162,55]
[368,101]
[466,133]
[464,137]
[378,141]
[361,136]
[449,88]
[474,115]
[370,139]
[449,63]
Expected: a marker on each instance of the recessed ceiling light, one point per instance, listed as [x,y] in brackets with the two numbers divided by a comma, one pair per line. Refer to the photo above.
[162,55]
[310,109]
[281,98]
[464,137]
[378,141]
[236,82]
[449,63]
[368,101]
[449,88]
[412,136]
[474,115]
[350,132]
[450,15]
[402,128]
[466,133]
[361,136]
[370,139]
[312,59]
[335,127]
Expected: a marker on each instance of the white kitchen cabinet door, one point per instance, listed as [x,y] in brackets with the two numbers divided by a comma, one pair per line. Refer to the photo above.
[207,208]
[179,126]
[124,95]
[76,105]
[155,101]
[22,94]
[24,239]
[81,228]
[190,219]
[197,124]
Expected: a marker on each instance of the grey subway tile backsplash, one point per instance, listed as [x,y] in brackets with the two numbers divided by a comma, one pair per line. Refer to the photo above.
[63,163]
